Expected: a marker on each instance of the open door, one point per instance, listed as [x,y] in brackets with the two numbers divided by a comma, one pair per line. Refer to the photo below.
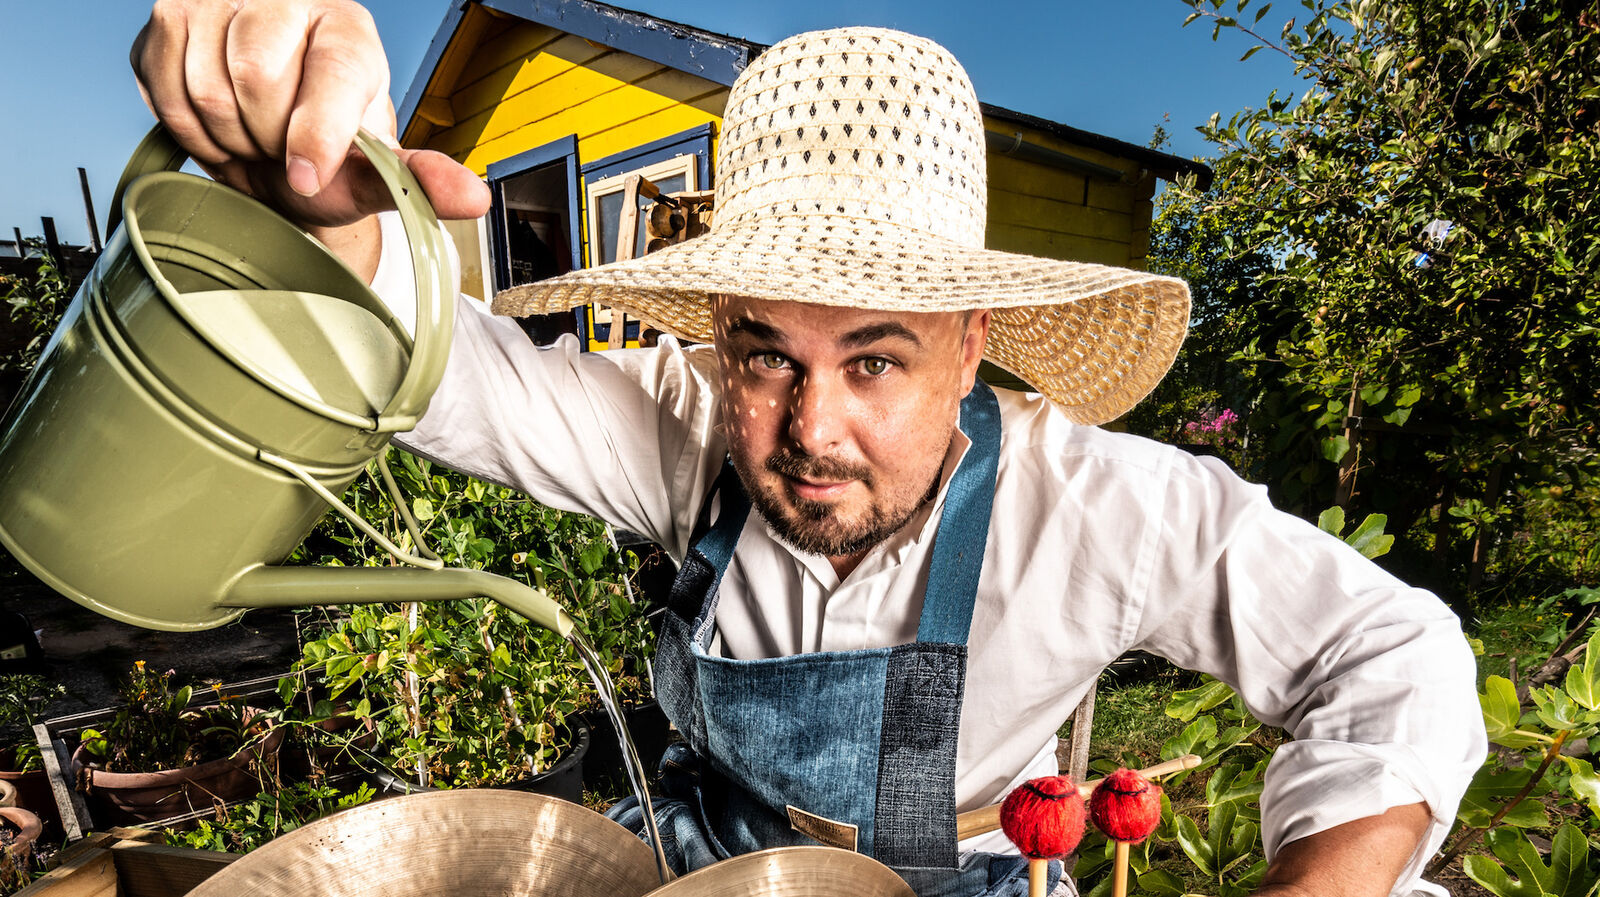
[534,226]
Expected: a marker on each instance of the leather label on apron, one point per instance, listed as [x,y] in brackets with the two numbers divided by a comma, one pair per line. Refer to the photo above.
[828,831]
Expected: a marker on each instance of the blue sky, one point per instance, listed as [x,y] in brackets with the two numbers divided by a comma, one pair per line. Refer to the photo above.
[1116,67]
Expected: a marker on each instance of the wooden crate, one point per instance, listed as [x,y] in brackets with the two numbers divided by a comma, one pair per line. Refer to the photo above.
[125,862]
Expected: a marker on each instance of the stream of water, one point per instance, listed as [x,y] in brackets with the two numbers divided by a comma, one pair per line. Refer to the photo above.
[630,754]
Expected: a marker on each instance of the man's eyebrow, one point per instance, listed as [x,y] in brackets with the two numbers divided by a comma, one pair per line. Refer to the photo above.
[872,333]
[757,330]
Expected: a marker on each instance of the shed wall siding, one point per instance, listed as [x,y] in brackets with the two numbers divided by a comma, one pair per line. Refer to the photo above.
[529,85]
[523,85]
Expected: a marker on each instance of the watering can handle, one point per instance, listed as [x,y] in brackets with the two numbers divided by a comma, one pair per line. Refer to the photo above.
[430,268]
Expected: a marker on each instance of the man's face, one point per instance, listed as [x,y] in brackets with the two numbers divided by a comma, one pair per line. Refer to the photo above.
[838,419]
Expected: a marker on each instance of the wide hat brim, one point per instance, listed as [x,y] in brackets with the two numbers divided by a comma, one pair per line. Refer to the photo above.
[1093,339]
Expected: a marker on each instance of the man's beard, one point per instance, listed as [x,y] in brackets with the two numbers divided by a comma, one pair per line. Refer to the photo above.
[812,526]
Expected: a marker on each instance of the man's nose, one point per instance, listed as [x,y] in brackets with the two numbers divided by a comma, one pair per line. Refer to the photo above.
[816,415]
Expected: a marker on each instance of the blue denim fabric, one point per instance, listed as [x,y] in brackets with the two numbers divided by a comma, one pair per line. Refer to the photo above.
[866,738]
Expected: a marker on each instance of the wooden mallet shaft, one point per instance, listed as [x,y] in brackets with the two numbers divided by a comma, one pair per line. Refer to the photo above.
[1038,877]
[1119,877]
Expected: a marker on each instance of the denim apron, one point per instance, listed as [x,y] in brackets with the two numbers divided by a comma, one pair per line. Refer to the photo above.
[855,749]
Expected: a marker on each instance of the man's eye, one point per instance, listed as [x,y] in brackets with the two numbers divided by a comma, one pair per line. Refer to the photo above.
[874,367]
[772,361]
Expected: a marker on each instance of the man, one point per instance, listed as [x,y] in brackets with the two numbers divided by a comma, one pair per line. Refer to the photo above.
[934,572]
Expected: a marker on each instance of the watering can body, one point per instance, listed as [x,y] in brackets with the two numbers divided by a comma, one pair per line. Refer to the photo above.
[216,382]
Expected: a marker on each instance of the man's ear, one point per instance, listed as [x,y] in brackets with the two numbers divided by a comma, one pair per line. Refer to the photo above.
[973,343]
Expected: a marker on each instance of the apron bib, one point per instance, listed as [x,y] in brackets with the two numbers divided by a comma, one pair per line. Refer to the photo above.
[855,749]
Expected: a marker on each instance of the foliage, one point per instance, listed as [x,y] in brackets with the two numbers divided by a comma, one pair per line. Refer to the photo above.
[1368,538]
[1196,237]
[252,823]
[1224,856]
[1530,764]
[1430,201]
[1180,857]
[1568,874]
[14,873]
[37,306]
[24,697]
[154,727]
[468,693]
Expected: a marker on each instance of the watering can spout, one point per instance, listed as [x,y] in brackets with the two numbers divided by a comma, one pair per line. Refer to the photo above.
[268,586]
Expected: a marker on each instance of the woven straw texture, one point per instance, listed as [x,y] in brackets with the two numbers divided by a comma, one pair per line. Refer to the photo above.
[851,172]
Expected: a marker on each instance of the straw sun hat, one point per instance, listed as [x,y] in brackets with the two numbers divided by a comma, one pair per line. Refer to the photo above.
[851,172]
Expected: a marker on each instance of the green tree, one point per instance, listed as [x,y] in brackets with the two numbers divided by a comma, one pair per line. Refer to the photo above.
[1431,200]
[1212,245]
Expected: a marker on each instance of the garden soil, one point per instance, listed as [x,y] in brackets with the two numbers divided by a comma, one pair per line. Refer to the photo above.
[91,654]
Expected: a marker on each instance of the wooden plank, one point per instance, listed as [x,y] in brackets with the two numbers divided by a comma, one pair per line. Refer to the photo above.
[568,96]
[1032,241]
[533,71]
[86,870]
[1033,179]
[129,833]
[652,126]
[1044,213]
[159,870]
[437,111]
[1106,195]
[521,40]
[477,29]
[680,87]
[70,805]
[607,124]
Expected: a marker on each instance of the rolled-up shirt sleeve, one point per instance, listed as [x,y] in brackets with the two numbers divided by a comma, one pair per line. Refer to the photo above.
[1372,678]
[626,435]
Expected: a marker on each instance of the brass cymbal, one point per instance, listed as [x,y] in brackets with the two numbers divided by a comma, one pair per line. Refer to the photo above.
[791,872]
[447,844]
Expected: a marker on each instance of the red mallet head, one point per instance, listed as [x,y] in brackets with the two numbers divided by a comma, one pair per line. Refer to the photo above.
[1044,817]
[1126,806]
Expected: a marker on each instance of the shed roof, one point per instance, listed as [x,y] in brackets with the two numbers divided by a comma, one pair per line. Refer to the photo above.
[720,58]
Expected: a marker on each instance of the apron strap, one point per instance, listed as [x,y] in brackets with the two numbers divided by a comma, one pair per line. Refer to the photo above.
[963,526]
[717,541]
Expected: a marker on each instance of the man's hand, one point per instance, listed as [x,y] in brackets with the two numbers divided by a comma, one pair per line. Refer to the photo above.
[266,95]
[1361,857]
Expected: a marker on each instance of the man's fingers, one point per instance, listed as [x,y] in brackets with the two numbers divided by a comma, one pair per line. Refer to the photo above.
[265,48]
[453,190]
[158,64]
[343,70]
[210,83]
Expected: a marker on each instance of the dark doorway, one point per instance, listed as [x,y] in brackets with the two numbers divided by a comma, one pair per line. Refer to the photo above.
[534,226]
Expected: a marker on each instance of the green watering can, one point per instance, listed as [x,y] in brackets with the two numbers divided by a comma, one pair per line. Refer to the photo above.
[216,383]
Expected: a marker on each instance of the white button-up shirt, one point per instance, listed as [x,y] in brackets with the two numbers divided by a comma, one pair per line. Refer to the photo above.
[1098,543]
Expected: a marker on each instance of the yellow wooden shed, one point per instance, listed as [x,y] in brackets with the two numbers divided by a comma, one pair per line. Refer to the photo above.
[555,102]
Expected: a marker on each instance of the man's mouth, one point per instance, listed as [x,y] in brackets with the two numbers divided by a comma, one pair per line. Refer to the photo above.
[816,490]
[816,479]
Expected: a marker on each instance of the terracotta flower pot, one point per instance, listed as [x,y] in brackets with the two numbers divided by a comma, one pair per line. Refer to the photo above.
[125,798]
[33,792]
[28,828]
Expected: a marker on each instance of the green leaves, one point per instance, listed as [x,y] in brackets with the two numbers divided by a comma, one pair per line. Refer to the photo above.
[1368,538]
[1583,679]
[476,666]
[1185,704]
[1501,714]
[1477,341]
[1526,874]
